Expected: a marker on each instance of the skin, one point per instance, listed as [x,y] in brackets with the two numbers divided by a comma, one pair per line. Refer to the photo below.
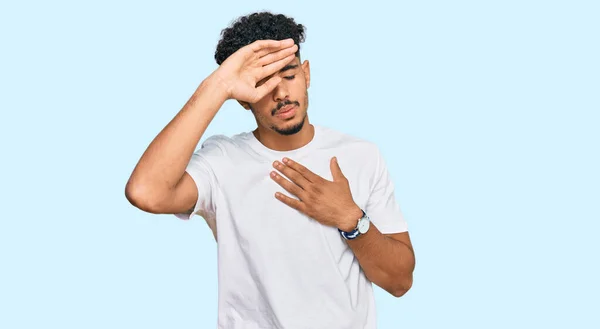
[263,77]
[289,133]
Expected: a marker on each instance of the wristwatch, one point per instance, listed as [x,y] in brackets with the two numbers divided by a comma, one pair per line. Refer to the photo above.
[361,228]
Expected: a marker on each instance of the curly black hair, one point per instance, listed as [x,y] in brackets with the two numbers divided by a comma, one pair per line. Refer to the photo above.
[257,26]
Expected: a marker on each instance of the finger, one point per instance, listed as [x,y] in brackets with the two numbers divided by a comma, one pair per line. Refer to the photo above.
[259,45]
[293,175]
[287,185]
[275,66]
[267,87]
[296,204]
[307,174]
[275,56]
[265,51]
[336,171]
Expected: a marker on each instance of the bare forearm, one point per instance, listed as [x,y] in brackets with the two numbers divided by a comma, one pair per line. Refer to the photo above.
[387,262]
[163,163]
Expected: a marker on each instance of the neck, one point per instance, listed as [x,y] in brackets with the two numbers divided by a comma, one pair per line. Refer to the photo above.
[275,141]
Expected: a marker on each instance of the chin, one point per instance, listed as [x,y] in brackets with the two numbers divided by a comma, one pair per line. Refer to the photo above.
[290,128]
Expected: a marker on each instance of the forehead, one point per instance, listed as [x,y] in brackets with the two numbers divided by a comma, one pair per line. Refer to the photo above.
[296,61]
[293,64]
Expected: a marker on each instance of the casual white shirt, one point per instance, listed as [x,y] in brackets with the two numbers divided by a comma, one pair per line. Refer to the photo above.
[278,268]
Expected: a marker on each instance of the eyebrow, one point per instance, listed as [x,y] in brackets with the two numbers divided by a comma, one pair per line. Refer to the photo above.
[285,68]
[288,67]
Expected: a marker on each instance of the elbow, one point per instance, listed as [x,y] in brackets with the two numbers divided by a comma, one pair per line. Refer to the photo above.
[141,198]
[401,287]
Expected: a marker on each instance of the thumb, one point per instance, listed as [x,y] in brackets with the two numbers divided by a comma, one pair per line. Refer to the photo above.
[336,171]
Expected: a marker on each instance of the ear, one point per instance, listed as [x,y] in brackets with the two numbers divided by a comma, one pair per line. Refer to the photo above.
[306,69]
[245,105]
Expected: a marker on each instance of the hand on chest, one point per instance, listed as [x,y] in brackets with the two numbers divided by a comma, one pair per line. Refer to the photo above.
[298,192]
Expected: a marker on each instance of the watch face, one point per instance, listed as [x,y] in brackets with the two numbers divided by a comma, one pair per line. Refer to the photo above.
[363,225]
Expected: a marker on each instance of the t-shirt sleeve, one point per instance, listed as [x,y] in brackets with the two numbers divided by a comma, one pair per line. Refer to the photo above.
[382,207]
[200,169]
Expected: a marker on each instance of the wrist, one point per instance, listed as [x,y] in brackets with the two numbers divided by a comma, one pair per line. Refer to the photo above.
[351,220]
[216,86]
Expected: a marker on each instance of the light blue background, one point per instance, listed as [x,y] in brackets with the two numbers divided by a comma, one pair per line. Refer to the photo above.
[486,111]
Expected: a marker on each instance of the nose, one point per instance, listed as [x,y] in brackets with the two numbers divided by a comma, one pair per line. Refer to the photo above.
[281,92]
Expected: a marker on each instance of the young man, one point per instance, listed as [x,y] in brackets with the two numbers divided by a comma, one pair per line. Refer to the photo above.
[305,217]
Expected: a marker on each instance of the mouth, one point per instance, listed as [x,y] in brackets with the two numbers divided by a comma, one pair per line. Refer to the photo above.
[286,112]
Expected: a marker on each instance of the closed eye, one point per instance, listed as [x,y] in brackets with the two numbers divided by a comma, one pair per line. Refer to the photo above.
[290,77]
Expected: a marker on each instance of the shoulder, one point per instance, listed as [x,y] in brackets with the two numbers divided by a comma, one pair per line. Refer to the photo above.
[349,142]
[359,154]
[222,145]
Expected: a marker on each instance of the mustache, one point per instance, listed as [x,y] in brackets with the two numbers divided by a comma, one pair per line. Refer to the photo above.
[282,104]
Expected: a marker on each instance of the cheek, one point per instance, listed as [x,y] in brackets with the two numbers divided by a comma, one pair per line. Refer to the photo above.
[302,83]
[262,110]
[263,105]
[299,90]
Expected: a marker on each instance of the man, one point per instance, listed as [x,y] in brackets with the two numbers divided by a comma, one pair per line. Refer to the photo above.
[305,217]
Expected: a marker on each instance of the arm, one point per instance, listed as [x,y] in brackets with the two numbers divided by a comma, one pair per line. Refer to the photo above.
[159,183]
[388,260]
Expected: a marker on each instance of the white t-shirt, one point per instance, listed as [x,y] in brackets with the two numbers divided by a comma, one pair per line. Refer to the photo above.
[278,268]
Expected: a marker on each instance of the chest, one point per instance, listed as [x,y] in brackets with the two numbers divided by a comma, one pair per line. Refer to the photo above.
[247,203]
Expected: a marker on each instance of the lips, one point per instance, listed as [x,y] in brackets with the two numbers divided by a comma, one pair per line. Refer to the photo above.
[287,111]
[286,108]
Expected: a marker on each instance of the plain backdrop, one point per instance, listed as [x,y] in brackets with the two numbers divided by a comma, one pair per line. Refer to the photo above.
[487,113]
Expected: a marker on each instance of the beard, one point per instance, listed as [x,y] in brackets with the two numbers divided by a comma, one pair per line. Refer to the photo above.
[292,129]
[288,130]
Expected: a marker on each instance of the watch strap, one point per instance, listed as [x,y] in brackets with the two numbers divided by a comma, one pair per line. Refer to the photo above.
[355,232]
